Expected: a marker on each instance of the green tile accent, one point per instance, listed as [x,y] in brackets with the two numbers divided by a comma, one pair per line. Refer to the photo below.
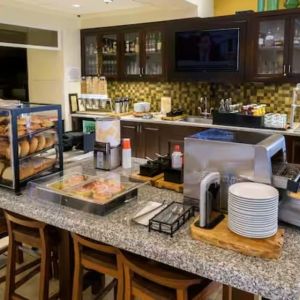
[186,95]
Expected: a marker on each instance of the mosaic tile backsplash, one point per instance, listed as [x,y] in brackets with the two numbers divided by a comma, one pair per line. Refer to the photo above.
[186,95]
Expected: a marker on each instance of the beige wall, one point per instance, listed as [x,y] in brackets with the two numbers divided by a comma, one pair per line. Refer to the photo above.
[48,71]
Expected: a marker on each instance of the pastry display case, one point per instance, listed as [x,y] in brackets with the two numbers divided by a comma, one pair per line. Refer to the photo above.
[91,191]
[30,142]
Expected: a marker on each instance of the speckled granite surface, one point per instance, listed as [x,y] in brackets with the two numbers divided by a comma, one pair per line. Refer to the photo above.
[270,278]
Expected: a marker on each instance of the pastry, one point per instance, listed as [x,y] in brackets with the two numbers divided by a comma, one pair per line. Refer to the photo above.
[50,140]
[2,167]
[3,120]
[33,145]
[41,142]
[102,196]
[25,147]
[26,170]
[35,126]
[22,121]
[47,123]
[8,153]
[36,120]
[7,174]
[48,162]
[38,164]
[84,192]
[3,148]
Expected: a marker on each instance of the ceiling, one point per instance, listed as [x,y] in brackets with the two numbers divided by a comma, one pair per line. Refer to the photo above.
[96,6]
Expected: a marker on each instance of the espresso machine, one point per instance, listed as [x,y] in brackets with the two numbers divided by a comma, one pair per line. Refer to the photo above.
[107,150]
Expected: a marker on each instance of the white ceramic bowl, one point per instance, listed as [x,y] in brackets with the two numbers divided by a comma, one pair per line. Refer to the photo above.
[139,107]
[147,106]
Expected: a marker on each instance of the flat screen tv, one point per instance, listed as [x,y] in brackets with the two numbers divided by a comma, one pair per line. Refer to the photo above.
[207,50]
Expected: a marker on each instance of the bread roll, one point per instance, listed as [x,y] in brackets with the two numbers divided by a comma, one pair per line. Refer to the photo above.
[25,147]
[35,119]
[50,140]
[26,170]
[35,126]
[22,121]
[8,153]
[41,142]
[38,164]
[3,148]
[47,123]
[7,174]
[33,145]
[2,167]
[48,162]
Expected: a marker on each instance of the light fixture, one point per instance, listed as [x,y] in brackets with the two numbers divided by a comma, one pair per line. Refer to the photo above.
[108,1]
[76,5]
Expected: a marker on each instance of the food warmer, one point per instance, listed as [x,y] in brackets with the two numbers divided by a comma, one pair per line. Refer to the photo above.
[237,156]
[30,142]
[92,191]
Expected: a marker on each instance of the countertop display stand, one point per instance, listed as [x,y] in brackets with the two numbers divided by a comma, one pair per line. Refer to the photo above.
[13,113]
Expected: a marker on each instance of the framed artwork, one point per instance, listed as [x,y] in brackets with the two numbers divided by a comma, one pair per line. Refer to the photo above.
[73,99]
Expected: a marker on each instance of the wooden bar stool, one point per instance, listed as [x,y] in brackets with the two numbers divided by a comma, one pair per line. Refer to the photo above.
[35,234]
[149,280]
[97,257]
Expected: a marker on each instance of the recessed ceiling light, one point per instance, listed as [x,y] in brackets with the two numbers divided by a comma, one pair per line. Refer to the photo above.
[76,5]
[108,1]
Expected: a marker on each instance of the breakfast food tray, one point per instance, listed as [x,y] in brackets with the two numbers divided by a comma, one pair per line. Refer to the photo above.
[97,193]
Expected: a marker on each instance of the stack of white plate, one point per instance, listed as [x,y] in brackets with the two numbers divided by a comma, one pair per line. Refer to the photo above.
[253,209]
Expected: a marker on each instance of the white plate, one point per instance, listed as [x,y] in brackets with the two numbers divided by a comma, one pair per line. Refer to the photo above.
[254,235]
[260,202]
[253,190]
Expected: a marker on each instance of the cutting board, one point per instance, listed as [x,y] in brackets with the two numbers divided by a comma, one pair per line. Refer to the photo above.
[162,184]
[152,180]
[221,236]
[176,118]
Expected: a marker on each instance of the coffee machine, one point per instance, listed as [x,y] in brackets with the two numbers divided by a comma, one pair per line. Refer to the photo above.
[107,150]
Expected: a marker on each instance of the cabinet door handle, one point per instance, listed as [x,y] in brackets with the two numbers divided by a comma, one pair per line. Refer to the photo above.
[284,70]
[128,126]
[141,72]
[290,69]
[141,128]
[152,129]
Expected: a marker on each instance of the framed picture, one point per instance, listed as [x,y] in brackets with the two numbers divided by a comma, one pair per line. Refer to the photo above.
[73,99]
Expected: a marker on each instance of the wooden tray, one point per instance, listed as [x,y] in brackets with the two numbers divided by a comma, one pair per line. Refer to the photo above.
[221,236]
[152,180]
[162,184]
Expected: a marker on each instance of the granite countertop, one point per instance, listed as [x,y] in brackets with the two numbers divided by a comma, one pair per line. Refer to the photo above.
[273,279]
[157,120]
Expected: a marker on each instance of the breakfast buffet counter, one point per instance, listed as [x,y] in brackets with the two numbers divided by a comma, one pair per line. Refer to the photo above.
[157,120]
[273,279]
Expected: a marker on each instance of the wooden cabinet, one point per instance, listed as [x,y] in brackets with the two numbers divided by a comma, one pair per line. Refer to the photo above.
[275,52]
[148,138]
[133,52]
[293,149]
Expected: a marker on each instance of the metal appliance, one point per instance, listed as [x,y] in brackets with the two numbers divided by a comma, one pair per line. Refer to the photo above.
[295,105]
[209,200]
[107,150]
[237,156]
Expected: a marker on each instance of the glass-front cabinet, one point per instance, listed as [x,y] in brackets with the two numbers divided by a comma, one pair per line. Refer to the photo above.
[294,66]
[153,51]
[131,54]
[89,49]
[108,56]
[276,51]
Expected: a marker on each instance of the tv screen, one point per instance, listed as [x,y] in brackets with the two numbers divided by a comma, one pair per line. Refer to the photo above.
[209,50]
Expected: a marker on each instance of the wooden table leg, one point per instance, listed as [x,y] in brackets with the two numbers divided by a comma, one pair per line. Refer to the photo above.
[230,293]
[65,265]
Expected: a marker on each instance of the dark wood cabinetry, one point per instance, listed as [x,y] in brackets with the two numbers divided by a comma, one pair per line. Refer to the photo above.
[274,55]
[293,149]
[148,138]
[134,52]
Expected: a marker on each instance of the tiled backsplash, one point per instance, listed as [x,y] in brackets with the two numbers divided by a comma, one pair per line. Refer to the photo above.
[187,94]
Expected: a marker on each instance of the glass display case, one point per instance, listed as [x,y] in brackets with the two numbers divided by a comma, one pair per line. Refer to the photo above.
[30,142]
[295,66]
[132,53]
[90,54]
[86,190]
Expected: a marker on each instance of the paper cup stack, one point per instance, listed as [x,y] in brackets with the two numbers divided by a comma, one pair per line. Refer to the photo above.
[253,209]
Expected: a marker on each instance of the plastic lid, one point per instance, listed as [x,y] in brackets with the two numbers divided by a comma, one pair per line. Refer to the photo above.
[177,148]
[126,144]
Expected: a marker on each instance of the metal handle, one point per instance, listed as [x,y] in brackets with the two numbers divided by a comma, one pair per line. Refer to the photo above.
[284,70]
[151,129]
[128,126]
[290,69]
[140,128]
[141,72]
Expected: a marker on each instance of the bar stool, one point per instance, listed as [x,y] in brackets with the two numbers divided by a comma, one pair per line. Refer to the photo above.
[97,257]
[149,280]
[35,234]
